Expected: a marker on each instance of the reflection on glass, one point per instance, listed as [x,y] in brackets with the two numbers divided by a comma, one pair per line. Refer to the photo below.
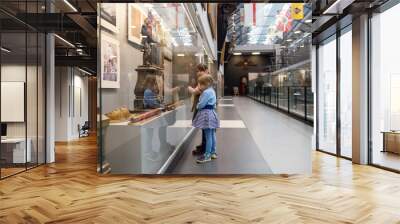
[385,89]
[15,146]
[346,94]
[285,82]
[151,97]
[327,96]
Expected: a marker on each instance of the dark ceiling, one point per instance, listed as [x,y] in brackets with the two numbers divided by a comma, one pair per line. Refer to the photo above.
[74,22]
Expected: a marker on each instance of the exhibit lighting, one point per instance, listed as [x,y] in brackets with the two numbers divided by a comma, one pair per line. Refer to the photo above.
[237,53]
[256,53]
[84,71]
[5,50]
[70,5]
[148,5]
[180,55]
[64,40]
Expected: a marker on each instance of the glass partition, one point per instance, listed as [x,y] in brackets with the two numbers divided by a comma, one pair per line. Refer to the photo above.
[15,151]
[327,96]
[22,76]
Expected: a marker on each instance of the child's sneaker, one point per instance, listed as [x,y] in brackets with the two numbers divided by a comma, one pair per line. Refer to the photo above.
[203,159]
[214,156]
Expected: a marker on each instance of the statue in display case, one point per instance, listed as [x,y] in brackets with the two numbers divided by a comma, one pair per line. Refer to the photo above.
[146,41]
[149,87]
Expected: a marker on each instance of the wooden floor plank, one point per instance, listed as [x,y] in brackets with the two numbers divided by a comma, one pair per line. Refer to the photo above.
[70,191]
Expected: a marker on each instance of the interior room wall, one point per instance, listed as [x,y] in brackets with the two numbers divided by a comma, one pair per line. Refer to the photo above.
[67,114]
[33,127]
[130,59]
[16,73]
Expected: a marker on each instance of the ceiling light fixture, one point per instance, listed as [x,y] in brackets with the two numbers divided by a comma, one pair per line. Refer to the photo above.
[237,53]
[180,55]
[289,40]
[70,5]
[337,7]
[64,40]
[256,53]
[5,50]
[308,21]
[297,31]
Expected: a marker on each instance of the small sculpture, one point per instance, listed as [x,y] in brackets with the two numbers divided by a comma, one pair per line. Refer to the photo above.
[146,32]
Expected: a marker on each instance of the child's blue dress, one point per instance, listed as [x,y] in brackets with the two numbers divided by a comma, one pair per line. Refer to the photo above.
[206,117]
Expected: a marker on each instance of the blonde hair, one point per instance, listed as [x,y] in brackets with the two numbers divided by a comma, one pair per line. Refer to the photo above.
[206,80]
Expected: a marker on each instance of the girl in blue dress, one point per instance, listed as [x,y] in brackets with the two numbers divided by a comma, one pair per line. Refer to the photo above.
[207,118]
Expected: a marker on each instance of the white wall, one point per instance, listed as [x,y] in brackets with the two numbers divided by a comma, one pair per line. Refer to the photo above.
[70,83]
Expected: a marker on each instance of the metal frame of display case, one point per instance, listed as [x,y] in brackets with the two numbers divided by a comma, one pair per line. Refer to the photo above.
[260,95]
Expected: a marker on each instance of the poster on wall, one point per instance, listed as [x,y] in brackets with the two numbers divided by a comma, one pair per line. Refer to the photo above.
[108,12]
[110,63]
[135,22]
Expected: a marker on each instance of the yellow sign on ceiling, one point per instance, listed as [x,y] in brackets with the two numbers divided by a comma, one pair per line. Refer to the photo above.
[297,11]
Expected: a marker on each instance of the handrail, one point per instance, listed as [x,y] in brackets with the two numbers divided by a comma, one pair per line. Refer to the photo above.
[297,101]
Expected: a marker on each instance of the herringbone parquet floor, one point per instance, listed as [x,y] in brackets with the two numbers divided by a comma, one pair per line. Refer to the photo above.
[70,191]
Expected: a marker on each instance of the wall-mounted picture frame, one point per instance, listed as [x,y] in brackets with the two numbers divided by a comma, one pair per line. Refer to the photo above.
[108,15]
[110,63]
[135,22]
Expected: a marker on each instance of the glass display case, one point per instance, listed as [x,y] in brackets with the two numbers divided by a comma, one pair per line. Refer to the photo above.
[149,56]
[288,91]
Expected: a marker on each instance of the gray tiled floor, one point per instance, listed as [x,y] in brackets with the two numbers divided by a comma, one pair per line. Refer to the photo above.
[285,143]
[238,153]
[271,143]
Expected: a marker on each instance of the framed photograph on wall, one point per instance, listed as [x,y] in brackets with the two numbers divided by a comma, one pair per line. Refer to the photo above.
[135,22]
[110,63]
[108,13]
